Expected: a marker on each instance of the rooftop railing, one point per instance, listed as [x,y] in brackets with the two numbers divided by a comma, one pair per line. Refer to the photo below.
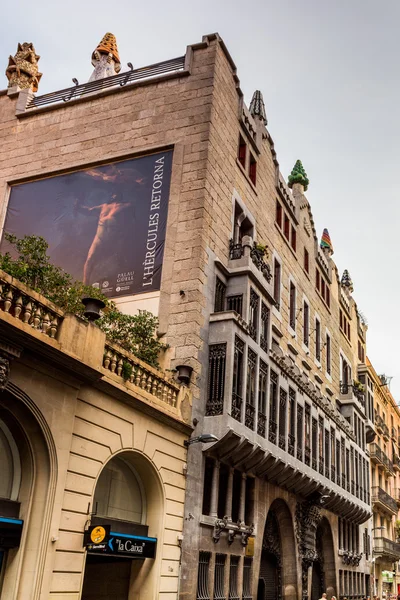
[120,80]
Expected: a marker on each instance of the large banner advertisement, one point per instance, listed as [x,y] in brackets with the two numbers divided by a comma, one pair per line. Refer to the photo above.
[105,225]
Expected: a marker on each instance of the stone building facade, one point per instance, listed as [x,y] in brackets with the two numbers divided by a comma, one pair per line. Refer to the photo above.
[385,467]
[252,302]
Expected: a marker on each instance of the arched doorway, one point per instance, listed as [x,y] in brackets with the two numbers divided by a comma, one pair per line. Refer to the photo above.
[278,568]
[323,568]
[128,500]
[28,467]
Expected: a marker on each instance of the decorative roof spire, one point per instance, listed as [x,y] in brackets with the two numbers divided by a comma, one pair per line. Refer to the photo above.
[326,243]
[257,107]
[23,68]
[298,175]
[105,58]
[346,281]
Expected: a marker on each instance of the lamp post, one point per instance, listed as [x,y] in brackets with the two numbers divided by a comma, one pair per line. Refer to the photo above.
[204,438]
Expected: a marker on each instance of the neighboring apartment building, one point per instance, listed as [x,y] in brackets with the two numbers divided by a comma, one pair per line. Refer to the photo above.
[385,482]
[191,217]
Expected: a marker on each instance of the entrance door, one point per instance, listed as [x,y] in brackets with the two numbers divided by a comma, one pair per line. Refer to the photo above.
[106,578]
[268,584]
[316,582]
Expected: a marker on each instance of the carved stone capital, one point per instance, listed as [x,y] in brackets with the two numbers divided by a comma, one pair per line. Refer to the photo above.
[7,354]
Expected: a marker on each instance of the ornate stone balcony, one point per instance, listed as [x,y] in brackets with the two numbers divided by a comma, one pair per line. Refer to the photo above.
[386,548]
[31,324]
[383,500]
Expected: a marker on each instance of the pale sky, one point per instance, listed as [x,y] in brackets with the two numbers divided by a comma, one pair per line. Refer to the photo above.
[329,73]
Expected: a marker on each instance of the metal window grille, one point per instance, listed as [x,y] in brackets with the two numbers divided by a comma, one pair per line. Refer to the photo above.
[235,250]
[220,291]
[273,400]
[264,327]
[282,418]
[307,435]
[314,444]
[327,448]
[247,595]
[253,317]
[219,577]
[338,473]
[251,388]
[262,398]
[299,432]
[233,578]
[236,409]
[216,379]
[235,303]
[203,576]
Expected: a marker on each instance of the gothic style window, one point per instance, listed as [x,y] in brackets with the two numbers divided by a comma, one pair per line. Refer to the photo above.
[273,406]
[237,381]
[307,435]
[327,457]
[253,169]
[253,316]
[203,592]
[314,444]
[216,379]
[292,421]
[242,152]
[278,214]
[328,353]
[220,291]
[318,340]
[262,398]
[306,261]
[250,388]
[264,337]
[277,283]
[299,432]
[282,418]
[235,303]
[321,445]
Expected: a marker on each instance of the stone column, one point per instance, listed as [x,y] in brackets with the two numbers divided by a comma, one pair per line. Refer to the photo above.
[214,490]
[242,503]
[228,504]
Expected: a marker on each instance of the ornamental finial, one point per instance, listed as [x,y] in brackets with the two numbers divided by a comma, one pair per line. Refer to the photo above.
[298,175]
[326,243]
[105,58]
[346,281]
[257,107]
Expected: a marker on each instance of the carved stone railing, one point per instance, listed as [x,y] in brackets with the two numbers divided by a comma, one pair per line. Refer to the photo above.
[133,370]
[29,307]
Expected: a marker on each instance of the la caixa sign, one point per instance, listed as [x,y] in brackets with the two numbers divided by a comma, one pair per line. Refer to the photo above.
[100,540]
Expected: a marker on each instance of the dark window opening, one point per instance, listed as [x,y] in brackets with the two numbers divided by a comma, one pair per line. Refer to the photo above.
[236,492]
[207,487]
[242,150]
[253,169]
[264,337]
[277,283]
[282,418]
[286,226]
[293,241]
[292,306]
[273,406]
[306,323]
[216,379]
[249,505]
[306,261]
[253,316]
[220,291]
[318,340]
[235,303]
[237,379]
[222,490]
[278,214]
[328,354]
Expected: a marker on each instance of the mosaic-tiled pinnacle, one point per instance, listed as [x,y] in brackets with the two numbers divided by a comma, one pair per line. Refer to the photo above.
[257,107]
[298,175]
[346,280]
[108,45]
[326,243]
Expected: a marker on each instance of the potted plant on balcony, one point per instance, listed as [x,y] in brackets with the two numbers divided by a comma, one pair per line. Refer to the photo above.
[358,386]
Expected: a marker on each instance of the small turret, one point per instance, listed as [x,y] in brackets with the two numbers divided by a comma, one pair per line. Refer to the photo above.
[326,243]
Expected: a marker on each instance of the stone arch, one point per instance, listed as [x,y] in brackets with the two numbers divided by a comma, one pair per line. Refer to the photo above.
[38,477]
[143,581]
[279,541]
[326,556]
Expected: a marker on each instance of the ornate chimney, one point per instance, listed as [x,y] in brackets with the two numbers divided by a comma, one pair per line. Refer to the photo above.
[23,70]
[105,58]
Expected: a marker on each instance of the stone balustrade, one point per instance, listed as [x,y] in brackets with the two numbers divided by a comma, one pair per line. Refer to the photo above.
[29,307]
[127,366]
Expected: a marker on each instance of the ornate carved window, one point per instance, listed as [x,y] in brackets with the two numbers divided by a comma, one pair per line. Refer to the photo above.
[216,379]
[262,398]
[237,381]
[265,318]
[314,443]
[292,421]
[220,291]
[251,388]
[233,578]
[235,303]
[203,573]
[219,577]
[299,432]
[273,406]
[253,314]
[282,418]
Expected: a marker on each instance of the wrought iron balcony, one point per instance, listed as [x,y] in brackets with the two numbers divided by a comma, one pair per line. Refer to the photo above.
[387,548]
[394,433]
[383,500]
[235,250]
[379,458]
[257,257]
[385,431]
[351,391]
[379,423]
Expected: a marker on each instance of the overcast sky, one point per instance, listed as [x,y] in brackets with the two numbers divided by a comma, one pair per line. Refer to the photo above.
[329,72]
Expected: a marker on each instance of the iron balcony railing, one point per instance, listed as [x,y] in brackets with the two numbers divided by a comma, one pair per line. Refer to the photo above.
[379,495]
[121,80]
[386,547]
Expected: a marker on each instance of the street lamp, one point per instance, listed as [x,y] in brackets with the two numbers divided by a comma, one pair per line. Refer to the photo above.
[204,438]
